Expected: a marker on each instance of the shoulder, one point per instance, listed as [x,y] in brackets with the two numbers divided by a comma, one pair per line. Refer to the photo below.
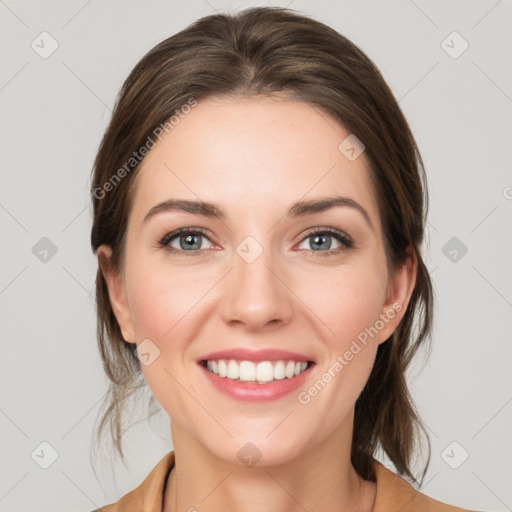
[148,496]
[394,493]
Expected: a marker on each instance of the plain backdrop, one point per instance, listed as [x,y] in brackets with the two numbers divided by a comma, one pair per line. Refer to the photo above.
[455,90]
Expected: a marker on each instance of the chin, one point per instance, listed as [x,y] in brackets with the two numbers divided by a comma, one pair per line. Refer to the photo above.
[257,450]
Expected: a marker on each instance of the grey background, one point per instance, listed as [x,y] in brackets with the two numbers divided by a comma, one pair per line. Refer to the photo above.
[54,112]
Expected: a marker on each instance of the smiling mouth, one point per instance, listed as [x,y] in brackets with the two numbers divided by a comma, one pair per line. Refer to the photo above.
[261,372]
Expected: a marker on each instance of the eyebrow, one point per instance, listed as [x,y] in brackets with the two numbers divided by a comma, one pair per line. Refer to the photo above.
[298,209]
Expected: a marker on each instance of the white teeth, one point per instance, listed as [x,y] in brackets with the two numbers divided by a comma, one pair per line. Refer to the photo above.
[290,369]
[233,370]
[223,369]
[264,371]
[279,370]
[248,371]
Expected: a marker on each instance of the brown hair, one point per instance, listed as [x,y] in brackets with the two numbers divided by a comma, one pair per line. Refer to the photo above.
[268,51]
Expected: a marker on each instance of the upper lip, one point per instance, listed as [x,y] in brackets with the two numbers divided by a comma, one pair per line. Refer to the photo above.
[267,354]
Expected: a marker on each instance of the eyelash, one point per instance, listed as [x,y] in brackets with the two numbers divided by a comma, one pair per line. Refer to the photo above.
[347,242]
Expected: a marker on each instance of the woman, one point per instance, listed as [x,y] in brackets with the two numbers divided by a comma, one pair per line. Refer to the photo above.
[259,210]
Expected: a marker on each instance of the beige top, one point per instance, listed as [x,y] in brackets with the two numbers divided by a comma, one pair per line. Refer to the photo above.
[393,493]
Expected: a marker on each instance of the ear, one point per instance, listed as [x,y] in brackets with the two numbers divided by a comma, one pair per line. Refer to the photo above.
[116,291]
[399,292]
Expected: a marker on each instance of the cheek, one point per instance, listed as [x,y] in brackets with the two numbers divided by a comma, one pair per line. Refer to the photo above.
[350,305]
[161,297]
[152,306]
[162,303]
[348,300]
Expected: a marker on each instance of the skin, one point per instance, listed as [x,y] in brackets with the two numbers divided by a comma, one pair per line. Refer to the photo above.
[255,157]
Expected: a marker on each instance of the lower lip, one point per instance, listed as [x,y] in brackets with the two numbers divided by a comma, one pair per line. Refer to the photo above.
[254,392]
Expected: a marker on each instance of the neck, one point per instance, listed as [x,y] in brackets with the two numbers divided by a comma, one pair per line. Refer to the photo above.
[320,479]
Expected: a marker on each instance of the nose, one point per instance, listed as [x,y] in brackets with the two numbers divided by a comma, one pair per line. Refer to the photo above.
[256,294]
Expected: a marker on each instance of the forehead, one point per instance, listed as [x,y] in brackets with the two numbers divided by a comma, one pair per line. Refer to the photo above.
[256,152]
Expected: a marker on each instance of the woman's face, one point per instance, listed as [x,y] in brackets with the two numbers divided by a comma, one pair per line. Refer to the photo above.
[266,276]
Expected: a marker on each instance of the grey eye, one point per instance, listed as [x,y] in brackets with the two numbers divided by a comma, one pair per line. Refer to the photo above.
[188,242]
